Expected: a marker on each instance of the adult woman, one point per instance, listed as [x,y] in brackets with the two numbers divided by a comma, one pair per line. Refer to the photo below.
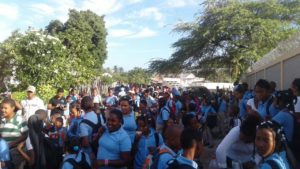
[128,118]
[114,144]
[269,146]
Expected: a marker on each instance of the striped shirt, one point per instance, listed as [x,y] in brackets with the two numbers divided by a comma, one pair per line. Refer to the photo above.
[11,130]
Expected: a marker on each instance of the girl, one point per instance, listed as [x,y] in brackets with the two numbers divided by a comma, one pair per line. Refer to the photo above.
[269,145]
[145,142]
[128,118]
[75,112]
[114,144]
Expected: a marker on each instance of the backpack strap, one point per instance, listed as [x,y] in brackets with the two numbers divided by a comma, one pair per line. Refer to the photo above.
[73,162]
[273,164]
[156,136]
[99,118]
[89,123]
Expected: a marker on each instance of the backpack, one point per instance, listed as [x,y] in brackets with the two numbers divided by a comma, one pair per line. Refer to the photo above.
[95,128]
[79,165]
[151,161]
[174,164]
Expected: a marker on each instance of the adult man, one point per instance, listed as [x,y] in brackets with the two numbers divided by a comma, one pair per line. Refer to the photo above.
[58,101]
[169,150]
[32,103]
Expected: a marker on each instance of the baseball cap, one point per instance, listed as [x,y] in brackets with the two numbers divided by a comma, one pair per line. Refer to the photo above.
[31,89]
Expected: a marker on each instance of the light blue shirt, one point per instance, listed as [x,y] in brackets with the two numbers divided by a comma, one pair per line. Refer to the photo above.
[262,108]
[163,115]
[111,145]
[243,108]
[111,100]
[130,125]
[74,124]
[85,130]
[207,110]
[77,157]
[223,106]
[165,158]
[143,151]
[178,107]
[182,160]
[280,161]
[4,151]
[286,120]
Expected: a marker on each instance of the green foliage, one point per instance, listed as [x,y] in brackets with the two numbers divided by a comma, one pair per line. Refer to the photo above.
[230,35]
[18,96]
[63,54]
[139,76]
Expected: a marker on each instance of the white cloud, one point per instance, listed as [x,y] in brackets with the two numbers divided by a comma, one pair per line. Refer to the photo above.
[9,11]
[144,33]
[120,33]
[181,3]
[42,9]
[102,6]
[110,21]
[113,44]
[149,13]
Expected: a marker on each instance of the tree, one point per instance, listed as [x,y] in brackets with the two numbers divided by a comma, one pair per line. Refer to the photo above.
[139,76]
[230,36]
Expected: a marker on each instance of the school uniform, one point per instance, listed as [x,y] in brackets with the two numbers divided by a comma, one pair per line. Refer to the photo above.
[163,115]
[73,130]
[112,144]
[143,151]
[243,108]
[182,160]
[262,109]
[165,157]
[130,125]
[278,159]
[85,130]
[286,120]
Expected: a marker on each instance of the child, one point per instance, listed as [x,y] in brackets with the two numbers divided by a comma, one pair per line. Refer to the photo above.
[234,115]
[75,158]
[146,140]
[269,143]
[75,112]
[13,129]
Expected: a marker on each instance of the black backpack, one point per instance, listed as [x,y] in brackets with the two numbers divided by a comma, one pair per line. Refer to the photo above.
[95,128]
[174,164]
[79,165]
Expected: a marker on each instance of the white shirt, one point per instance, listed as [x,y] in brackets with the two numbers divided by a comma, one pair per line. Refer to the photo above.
[297,105]
[28,144]
[31,106]
[251,103]
[97,99]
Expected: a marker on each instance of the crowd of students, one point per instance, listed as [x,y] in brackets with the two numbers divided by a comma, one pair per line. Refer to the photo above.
[153,128]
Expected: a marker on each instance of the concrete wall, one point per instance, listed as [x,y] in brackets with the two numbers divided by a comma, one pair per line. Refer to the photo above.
[282,71]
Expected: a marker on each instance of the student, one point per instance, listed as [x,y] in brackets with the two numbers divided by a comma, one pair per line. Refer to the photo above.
[114,144]
[75,157]
[4,154]
[239,93]
[171,146]
[13,129]
[75,112]
[163,116]
[295,86]
[111,100]
[191,143]
[269,146]
[128,118]
[150,100]
[284,102]
[146,142]
[86,131]
[192,108]
[58,135]
[235,120]
[237,146]
[265,108]
[58,101]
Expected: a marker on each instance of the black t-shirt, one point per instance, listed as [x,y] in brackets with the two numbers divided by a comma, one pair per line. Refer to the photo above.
[55,101]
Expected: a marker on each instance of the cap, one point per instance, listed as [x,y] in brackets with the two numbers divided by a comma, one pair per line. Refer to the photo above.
[31,89]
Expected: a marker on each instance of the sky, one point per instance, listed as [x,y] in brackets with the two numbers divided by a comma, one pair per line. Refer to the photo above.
[138,30]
